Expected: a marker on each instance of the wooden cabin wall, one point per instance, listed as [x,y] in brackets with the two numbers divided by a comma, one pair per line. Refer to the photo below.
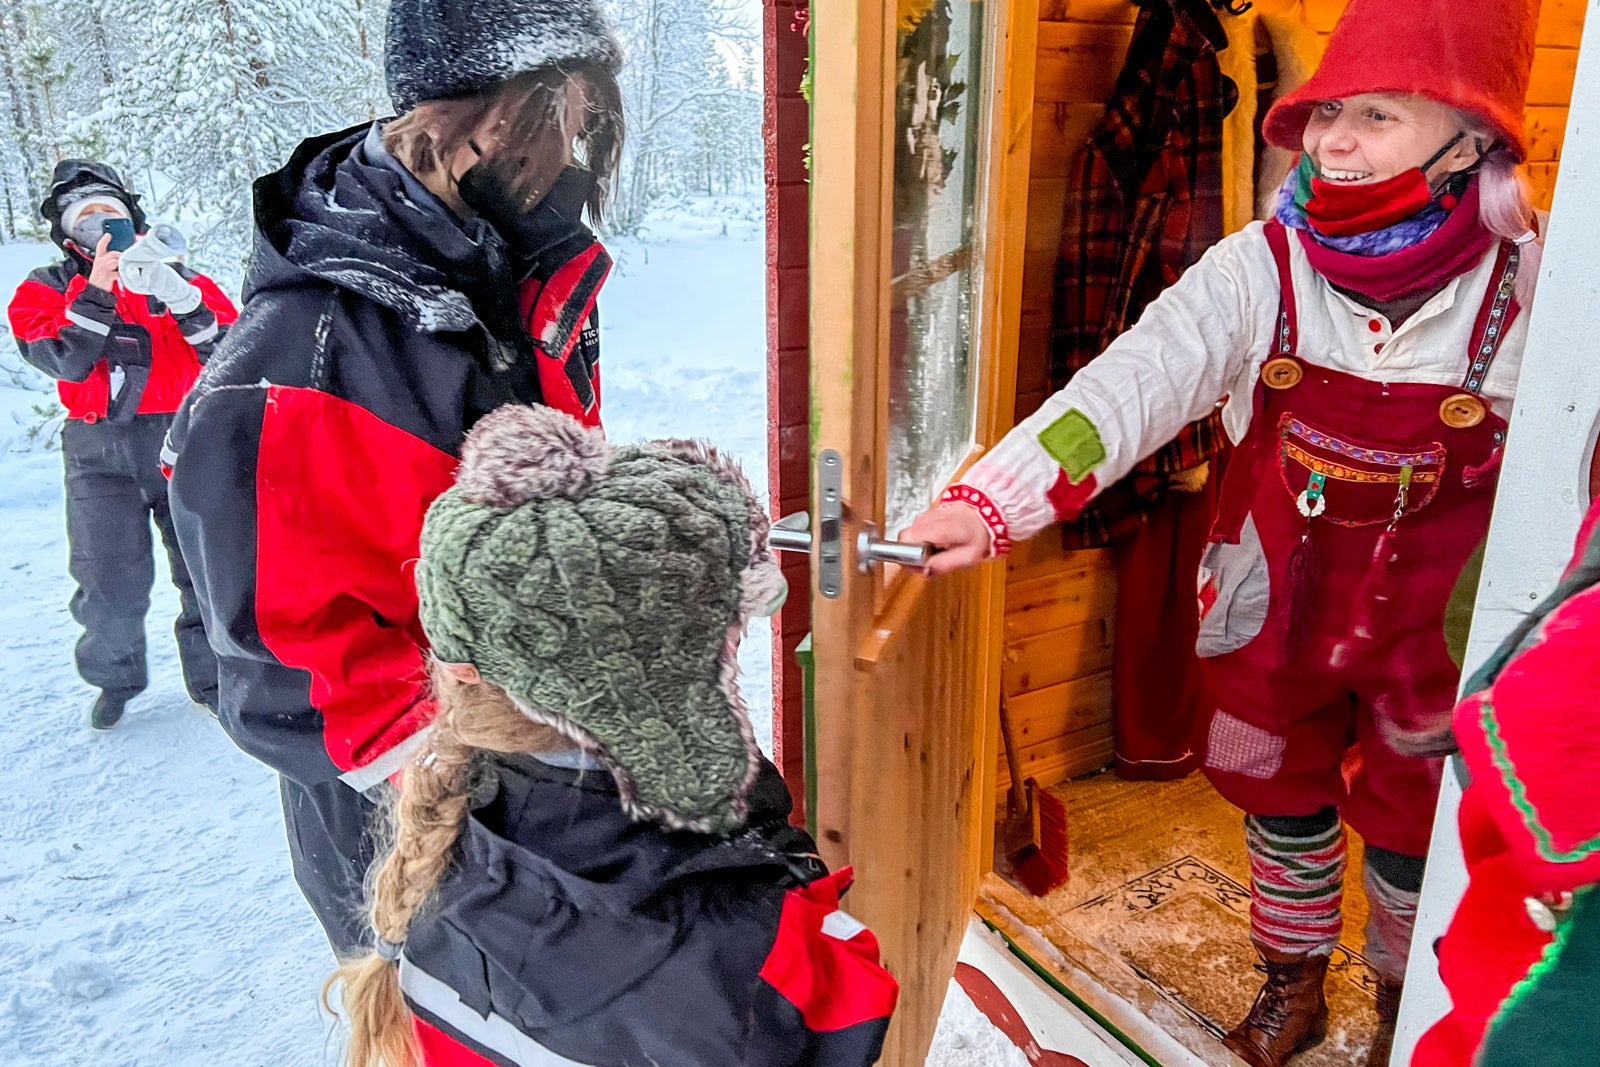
[1056,668]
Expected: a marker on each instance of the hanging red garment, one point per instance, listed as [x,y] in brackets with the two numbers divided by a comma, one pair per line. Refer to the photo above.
[1144,203]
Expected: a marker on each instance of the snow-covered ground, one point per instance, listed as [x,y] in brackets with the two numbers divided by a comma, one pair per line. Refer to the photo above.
[147,913]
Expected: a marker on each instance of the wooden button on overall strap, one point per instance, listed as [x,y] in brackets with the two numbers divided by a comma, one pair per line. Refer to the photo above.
[1466,409]
[1283,370]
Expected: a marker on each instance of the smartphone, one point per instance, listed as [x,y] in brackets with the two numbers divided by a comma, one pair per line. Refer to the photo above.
[121,231]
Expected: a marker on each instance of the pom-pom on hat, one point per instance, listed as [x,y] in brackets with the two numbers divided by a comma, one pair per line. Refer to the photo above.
[601,588]
[1474,56]
[437,49]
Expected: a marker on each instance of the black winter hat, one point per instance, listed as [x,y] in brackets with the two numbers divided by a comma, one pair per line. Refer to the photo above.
[73,174]
[439,49]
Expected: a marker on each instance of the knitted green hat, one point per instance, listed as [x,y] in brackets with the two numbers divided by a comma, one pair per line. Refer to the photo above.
[605,590]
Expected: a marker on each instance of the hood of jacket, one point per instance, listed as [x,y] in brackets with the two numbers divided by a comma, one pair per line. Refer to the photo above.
[569,904]
[343,213]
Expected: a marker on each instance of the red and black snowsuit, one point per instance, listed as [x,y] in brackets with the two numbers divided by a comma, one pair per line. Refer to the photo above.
[88,340]
[376,329]
[567,933]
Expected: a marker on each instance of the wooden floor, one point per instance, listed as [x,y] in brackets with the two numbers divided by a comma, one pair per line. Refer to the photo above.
[1157,910]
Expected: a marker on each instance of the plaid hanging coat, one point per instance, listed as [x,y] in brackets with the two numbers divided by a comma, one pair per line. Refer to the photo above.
[1144,203]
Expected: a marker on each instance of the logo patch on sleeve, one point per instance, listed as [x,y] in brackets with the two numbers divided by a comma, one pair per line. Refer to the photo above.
[1074,442]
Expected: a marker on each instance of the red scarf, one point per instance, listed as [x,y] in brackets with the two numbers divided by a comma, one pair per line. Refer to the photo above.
[1458,245]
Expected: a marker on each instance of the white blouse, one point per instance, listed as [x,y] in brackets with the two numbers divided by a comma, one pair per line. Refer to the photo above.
[1202,343]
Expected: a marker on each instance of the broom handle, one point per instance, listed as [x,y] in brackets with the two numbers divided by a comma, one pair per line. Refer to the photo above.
[1014,799]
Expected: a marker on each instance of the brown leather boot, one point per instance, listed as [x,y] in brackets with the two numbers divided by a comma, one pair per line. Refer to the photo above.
[1388,1015]
[1290,1014]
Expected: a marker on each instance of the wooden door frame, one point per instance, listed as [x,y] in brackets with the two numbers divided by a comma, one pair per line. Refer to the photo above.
[894,628]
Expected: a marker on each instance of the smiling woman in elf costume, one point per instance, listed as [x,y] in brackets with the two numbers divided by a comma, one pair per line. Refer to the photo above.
[1366,343]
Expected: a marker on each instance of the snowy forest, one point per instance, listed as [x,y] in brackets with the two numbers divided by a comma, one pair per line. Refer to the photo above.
[193,99]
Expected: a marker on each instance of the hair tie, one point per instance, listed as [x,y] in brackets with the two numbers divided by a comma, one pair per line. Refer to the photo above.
[387,950]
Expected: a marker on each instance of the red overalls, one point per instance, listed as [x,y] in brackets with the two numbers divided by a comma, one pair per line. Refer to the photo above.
[1367,499]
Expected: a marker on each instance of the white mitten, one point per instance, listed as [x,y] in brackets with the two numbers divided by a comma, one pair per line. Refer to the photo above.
[141,270]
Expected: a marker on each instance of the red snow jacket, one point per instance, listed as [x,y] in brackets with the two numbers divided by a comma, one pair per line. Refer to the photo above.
[73,332]
[376,330]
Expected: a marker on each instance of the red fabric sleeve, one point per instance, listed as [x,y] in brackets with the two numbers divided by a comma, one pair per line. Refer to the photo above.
[340,497]
[52,342]
[1531,747]
[825,963]
[215,299]
[37,312]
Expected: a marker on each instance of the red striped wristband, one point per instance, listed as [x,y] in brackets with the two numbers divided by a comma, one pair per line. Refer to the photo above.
[975,499]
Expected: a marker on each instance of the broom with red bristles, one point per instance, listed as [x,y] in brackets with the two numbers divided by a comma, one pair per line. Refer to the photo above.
[1035,827]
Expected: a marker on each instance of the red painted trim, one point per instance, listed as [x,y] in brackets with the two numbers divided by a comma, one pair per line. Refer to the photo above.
[784,49]
[997,1007]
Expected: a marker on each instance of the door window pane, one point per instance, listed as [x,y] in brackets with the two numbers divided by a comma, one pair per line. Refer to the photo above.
[938,130]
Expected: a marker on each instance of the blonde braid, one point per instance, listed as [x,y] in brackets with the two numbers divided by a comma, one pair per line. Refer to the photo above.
[427,821]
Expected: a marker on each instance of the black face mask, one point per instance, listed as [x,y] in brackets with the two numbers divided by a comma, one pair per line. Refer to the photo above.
[541,238]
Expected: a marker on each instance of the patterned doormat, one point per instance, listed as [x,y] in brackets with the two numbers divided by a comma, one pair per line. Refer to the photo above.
[1184,929]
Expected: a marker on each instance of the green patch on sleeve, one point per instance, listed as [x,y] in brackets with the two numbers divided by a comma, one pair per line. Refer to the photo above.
[1074,442]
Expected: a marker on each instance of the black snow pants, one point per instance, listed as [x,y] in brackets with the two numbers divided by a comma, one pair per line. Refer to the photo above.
[114,488]
[331,845]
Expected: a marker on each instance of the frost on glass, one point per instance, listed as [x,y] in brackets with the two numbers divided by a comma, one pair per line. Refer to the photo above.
[932,399]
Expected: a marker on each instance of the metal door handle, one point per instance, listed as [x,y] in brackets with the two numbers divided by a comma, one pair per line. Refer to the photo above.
[870,549]
[792,533]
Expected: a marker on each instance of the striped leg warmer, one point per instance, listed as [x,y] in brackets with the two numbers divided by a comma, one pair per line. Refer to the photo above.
[1297,883]
[1391,920]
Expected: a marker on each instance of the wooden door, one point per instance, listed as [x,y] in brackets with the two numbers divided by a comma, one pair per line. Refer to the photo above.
[919,182]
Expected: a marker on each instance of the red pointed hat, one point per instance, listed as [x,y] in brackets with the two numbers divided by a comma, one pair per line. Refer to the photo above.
[1475,56]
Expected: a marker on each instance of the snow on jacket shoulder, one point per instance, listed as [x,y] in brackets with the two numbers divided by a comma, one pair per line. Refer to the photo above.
[568,934]
[1202,343]
[376,330]
[70,330]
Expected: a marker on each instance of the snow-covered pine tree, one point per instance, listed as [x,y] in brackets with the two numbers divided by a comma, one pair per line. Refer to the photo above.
[680,93]
[220,94]
[55,62]
[193,108]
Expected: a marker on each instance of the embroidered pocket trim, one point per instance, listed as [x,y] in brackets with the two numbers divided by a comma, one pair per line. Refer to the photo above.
[1434,453]
[1416,473]
[1340,472]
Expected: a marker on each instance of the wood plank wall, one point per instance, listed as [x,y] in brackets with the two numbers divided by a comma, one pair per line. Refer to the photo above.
[1059,605]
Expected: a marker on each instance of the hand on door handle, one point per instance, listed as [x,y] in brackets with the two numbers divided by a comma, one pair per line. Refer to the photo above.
[958,534]
[870,549]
